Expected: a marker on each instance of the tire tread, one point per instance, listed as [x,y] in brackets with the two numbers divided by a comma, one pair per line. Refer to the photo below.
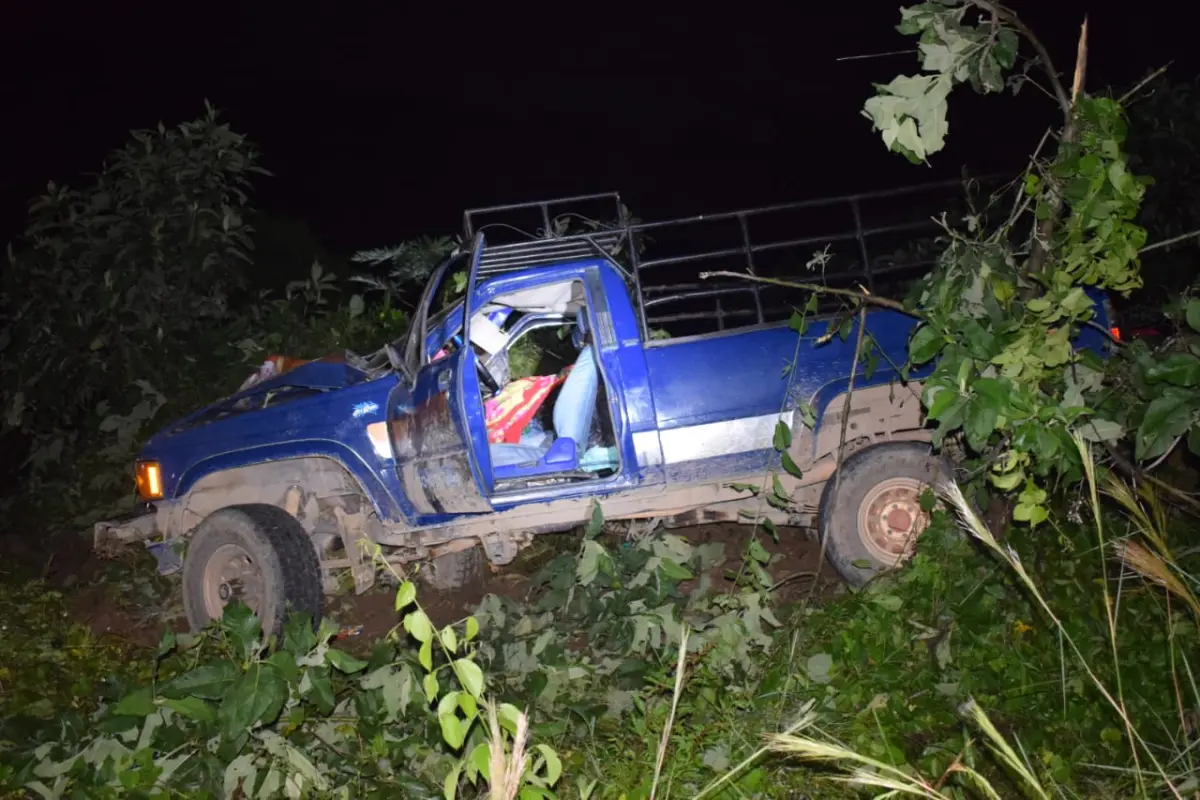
[840,530]
[299,569]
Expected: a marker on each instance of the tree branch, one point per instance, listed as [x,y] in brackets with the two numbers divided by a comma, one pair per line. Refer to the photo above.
[1168,242]
[1009,16]
[841,451]
[1080,65]
[1045,231]
[1143,82]
[863,297]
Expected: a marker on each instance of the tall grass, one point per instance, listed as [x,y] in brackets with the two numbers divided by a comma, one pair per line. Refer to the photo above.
[1144,553]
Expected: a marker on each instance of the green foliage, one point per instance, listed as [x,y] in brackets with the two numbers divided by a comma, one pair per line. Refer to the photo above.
[631,605]
[1006,299]
[410,264]
[910,111]
[115,276]
[1007,376]
[590,658]
[51,663]
[157,319]
[970,631]
[542,351]
[229,709]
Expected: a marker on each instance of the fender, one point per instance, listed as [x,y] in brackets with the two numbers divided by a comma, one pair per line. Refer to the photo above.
[348,459]
[824,397]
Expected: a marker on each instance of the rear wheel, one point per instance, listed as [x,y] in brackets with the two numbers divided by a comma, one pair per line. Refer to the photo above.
[257,554]
[873,523]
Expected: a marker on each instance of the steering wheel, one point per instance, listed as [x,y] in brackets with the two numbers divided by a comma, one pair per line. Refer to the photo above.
[486,377]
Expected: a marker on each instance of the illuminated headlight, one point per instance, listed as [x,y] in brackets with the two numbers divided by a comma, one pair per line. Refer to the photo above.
[149,480]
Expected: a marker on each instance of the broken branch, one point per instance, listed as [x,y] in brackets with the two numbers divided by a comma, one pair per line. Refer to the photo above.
[1045,231]
[1168,242]
[863,297]
[1009,16]
[1143,82]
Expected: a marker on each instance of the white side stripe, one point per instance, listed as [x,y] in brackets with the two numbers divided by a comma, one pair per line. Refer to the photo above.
[695,442]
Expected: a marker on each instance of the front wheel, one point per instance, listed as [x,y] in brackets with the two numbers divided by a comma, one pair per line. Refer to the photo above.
[257,554]
[873,524]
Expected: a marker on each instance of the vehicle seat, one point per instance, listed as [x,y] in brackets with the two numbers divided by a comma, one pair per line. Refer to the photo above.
[574,410]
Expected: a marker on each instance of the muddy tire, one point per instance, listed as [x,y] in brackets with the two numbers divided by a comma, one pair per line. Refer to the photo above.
[877,516]
[451,572]
[257,553]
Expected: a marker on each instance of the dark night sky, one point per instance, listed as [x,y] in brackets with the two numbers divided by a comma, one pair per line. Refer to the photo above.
[385,122]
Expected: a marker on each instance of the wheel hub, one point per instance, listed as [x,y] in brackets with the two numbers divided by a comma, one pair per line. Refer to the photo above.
[899,519]
[231,574]
[890,519]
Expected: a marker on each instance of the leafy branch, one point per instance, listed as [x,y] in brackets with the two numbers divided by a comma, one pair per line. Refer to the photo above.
[1003,15]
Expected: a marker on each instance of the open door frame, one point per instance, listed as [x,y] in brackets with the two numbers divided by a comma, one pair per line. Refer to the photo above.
[438,465]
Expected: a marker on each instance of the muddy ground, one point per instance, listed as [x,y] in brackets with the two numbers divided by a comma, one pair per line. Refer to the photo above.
[124,598]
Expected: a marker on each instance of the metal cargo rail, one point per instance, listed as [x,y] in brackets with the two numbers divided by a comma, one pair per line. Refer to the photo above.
[666,281]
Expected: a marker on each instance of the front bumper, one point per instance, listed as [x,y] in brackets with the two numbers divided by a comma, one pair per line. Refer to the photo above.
[134,526]
[138,526]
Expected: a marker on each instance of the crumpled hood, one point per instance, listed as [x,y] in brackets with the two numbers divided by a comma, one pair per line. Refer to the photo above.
[318,375]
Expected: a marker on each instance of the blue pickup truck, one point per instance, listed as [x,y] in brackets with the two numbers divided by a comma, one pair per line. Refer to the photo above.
[281,489]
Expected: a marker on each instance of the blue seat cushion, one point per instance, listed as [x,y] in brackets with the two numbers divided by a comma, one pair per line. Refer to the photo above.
[519,460]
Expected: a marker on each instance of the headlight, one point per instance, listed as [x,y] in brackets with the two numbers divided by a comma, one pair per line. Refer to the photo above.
[149,480]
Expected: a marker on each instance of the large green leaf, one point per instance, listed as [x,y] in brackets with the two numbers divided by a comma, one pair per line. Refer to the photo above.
[1193,315]
[192,708]
[996,392]
[1180,369]
[950,420]
[209,681]
[980,422]
[981,342]
[344,662]
[471,676]
[1166,417]
[258,696]
[417,623]
[783,436]
[243,628]
[1098,429]
[943,398]
[298,634]
[139,703]
[405,595]
[926,343]
[320,689]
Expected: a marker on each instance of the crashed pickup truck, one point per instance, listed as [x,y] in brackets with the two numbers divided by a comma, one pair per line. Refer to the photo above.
[431,450]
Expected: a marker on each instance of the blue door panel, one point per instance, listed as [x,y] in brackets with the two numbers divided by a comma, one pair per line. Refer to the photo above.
[433,448]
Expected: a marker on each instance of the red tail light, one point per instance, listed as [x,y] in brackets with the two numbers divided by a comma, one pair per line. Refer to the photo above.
[1116,332]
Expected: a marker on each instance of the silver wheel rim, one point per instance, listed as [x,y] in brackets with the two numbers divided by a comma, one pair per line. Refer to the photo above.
[229,575]
[890,519]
